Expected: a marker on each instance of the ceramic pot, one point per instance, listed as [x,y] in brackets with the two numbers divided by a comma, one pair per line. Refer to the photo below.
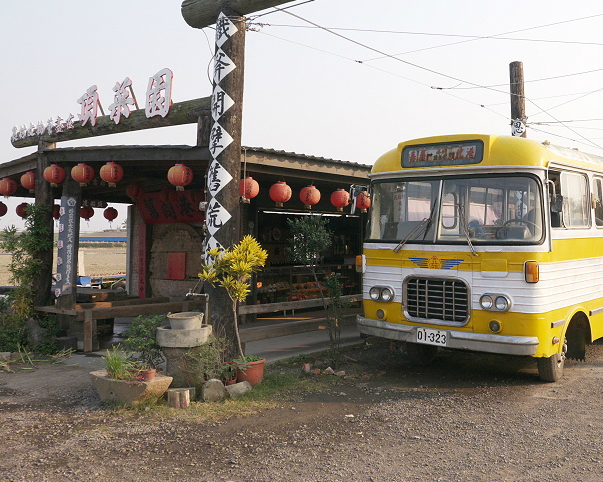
[149,374]
[252,373]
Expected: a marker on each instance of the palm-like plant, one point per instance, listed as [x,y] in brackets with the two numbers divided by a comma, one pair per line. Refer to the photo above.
[231,269]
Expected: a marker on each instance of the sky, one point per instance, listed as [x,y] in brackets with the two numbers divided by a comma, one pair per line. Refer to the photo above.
[341,79]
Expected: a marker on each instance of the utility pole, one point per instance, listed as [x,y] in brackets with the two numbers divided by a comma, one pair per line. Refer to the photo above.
[224,140]
[518,100]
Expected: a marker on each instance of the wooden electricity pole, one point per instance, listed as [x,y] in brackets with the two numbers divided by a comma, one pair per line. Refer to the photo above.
[518,100]
[224,137]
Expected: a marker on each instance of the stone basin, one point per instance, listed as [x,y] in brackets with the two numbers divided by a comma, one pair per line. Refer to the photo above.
[130,392]
[167,337]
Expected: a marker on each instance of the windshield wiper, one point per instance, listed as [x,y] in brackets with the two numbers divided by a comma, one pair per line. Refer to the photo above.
[425,223]
[465,226]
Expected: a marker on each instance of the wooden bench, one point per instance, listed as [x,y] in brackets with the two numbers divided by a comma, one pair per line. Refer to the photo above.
[89,313]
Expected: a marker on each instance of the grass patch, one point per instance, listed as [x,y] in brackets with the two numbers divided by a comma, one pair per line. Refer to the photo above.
[282,382]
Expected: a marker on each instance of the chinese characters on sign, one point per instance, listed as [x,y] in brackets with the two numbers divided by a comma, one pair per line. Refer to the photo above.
[217,176]
[456,153]
[69,213]
[182,207]
[158,102]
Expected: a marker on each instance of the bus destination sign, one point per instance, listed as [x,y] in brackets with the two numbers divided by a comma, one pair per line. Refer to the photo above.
[448,154]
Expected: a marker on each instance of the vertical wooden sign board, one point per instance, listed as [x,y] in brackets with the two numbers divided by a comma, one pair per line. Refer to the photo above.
[68,242]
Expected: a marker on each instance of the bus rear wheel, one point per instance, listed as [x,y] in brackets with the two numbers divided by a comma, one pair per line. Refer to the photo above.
[419,354]
[551,369]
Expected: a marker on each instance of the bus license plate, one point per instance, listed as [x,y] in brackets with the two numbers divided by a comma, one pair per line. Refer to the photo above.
[429,336]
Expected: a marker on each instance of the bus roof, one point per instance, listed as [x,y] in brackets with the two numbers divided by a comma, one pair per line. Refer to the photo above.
[478,150]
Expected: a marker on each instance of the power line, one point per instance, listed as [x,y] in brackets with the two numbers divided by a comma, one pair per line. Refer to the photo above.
[489,36]
[432,34]
[441,73]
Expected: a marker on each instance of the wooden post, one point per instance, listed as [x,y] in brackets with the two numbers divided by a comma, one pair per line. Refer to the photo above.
[43,283]
[223,174]
[178,397]
[518,100]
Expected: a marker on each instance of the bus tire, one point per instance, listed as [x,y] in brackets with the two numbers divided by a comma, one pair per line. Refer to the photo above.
[419,354]
[550,369]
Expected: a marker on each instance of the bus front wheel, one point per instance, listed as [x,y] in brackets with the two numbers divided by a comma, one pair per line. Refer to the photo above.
[551,369]
[419,354]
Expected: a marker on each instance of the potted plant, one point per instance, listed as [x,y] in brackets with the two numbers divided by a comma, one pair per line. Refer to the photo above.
[231,269]
[250,369]
[121,380]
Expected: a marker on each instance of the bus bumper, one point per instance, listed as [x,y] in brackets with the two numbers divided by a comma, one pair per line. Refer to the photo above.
[508,345]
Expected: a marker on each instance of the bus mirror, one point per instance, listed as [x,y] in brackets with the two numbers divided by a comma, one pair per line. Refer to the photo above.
[557,204]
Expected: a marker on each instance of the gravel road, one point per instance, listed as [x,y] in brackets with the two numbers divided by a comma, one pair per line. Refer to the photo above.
[466,417]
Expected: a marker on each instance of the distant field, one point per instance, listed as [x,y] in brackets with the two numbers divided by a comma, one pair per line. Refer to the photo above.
[95,261]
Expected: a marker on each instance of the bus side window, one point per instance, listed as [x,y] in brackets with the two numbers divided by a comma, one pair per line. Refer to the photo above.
[556,200]
[598,197]
[574,188]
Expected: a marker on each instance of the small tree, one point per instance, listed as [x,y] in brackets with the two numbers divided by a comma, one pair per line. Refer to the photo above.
[231,269]
[337,309]
[310,238]
[24,265]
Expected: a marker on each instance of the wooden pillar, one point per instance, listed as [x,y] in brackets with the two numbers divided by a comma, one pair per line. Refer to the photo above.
[518,100]
[43,283]
[223,174]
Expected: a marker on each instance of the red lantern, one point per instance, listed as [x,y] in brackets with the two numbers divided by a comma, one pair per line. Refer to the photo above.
[309,195]
[134,190]
[110,214]
[86,212]
[8,187]
[3,209]
[82,173]
[28,180]
[22,210]
[54,174]
[363,201]
[248,189]
[280,193]
[180,176]
[340,199]
[111,173]
[56,211]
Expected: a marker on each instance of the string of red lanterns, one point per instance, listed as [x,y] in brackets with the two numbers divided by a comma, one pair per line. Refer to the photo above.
[248,189]
[111,173]
[82,173]
[28,181]
[54,174]
[8,187]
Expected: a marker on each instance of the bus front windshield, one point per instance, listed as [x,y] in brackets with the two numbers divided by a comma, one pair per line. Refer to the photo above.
[478,209]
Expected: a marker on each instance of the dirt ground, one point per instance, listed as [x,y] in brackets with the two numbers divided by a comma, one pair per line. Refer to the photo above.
[103,261]
[466,417]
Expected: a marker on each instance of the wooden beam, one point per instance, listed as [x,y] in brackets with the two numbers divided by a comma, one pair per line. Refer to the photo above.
[290,305]
[187,112]
[254,333]
[125,154]
[203,13]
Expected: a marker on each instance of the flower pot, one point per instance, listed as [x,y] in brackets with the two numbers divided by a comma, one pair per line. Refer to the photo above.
[252,372]
[188,320]
[149,374]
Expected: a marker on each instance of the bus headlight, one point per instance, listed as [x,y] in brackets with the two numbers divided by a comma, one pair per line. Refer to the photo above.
[502,303]
[486,302]
[381,293]
[495,302]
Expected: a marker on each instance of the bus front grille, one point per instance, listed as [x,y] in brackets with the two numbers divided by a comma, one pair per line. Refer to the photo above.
[437,299]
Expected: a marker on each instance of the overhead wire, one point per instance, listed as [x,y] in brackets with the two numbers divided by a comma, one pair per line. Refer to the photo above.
[394,57]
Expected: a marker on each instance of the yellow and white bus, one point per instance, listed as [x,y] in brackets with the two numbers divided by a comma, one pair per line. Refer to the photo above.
[485,243]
